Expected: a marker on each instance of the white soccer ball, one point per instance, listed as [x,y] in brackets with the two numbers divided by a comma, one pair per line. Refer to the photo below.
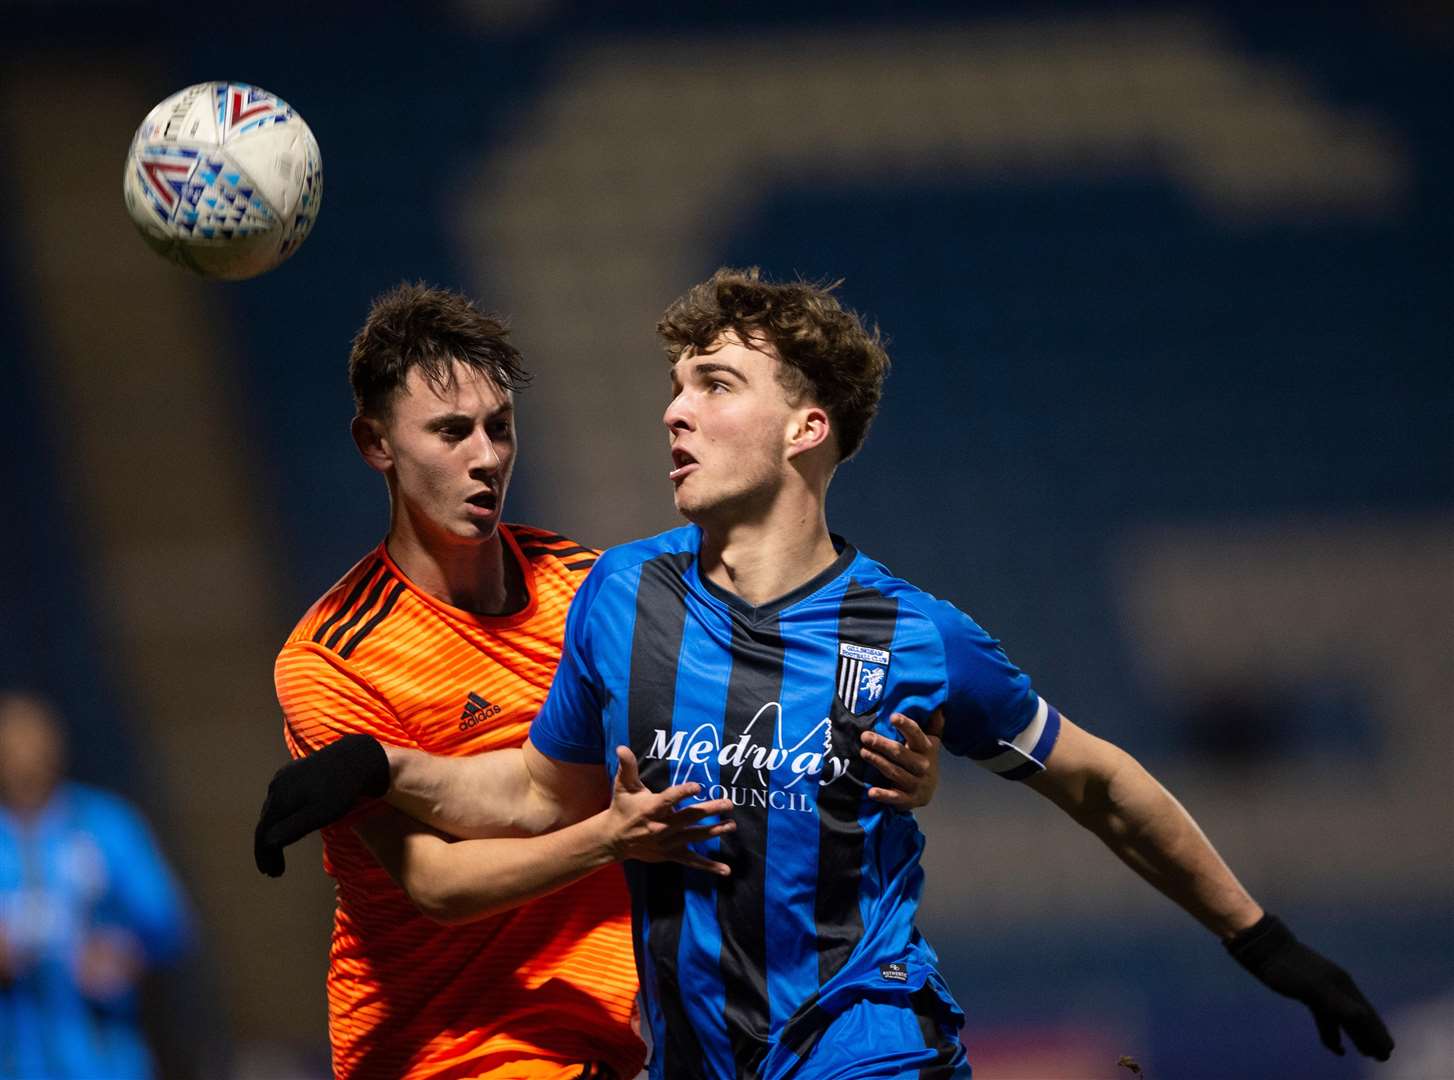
[224,179]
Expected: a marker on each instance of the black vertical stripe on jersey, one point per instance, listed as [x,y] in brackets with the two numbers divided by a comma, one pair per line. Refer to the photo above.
[756,680]
[656,645]
[927,1007]
[804,1028]
[348,602]
[369,601]
[379,616]
[865,617]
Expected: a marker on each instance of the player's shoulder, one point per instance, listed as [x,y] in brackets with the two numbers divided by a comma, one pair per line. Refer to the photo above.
[869,573]
[680,544]
[337,595]
[941,617]
[618,570]
[547,548]
[352,609]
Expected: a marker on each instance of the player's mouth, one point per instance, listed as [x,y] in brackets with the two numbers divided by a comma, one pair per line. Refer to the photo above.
[483,502]
[682,464]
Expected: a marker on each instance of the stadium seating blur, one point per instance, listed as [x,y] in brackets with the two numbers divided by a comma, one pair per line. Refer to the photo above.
[1168,294]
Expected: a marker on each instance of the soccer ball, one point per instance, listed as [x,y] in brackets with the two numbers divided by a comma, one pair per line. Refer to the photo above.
[224,179]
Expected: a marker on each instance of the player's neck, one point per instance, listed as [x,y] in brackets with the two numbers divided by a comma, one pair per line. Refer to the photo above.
[761,560]
[480,577]
[29,811]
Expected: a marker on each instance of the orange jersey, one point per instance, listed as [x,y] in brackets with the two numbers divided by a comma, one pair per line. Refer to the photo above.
[552,980]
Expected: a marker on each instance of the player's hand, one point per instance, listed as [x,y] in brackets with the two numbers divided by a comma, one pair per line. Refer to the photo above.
[1269,950]
[109,964]
[911,766]
[652,826]
[315,791]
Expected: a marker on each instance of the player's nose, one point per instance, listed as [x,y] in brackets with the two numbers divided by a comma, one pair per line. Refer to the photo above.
[677,416]
[484,454]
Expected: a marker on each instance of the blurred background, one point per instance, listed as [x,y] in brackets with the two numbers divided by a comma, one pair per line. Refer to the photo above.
[1168,290]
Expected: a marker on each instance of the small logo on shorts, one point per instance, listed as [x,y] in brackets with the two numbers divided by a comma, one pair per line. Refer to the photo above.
[895,972]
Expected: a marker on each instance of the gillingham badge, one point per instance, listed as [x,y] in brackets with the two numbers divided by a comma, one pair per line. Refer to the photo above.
[861,674]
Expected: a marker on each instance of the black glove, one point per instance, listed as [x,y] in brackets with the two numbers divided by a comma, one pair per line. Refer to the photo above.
[307,794]
[1268,949]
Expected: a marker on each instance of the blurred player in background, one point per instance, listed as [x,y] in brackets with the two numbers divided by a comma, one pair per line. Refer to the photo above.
[748,651]
[445,638]
[87,905]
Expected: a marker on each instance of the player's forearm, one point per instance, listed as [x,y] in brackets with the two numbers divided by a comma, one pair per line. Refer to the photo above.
[487,795]
[460,881]
[1150,831]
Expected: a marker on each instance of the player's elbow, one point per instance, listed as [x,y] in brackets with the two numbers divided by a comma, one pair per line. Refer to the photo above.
[446,902]
[431,884]
[450,896]
[432,902]
[450,912]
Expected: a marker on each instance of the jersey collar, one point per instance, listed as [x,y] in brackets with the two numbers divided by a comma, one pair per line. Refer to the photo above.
[511,548]
[846,554]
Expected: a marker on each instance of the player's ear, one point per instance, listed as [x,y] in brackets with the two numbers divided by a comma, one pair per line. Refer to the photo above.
[808,429]
[372,442]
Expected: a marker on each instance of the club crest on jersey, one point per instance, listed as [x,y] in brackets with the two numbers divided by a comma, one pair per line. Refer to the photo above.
[862,671]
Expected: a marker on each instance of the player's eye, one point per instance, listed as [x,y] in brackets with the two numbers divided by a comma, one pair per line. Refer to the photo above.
[503,430]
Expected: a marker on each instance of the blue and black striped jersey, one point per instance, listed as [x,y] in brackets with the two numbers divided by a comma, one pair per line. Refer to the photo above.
[742,976]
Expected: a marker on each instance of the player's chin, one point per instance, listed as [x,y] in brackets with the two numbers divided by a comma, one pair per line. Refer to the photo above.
[479,526]
[685,504]
[694,503]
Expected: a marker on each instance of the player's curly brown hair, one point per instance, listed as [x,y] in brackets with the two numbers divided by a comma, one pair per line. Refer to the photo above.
[419,325]
[826,351]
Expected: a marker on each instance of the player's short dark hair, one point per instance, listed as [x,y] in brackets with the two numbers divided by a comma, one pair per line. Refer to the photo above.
[826,351]
[419,325]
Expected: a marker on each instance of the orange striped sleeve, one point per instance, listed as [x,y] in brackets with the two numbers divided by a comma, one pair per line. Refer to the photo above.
[323,700]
